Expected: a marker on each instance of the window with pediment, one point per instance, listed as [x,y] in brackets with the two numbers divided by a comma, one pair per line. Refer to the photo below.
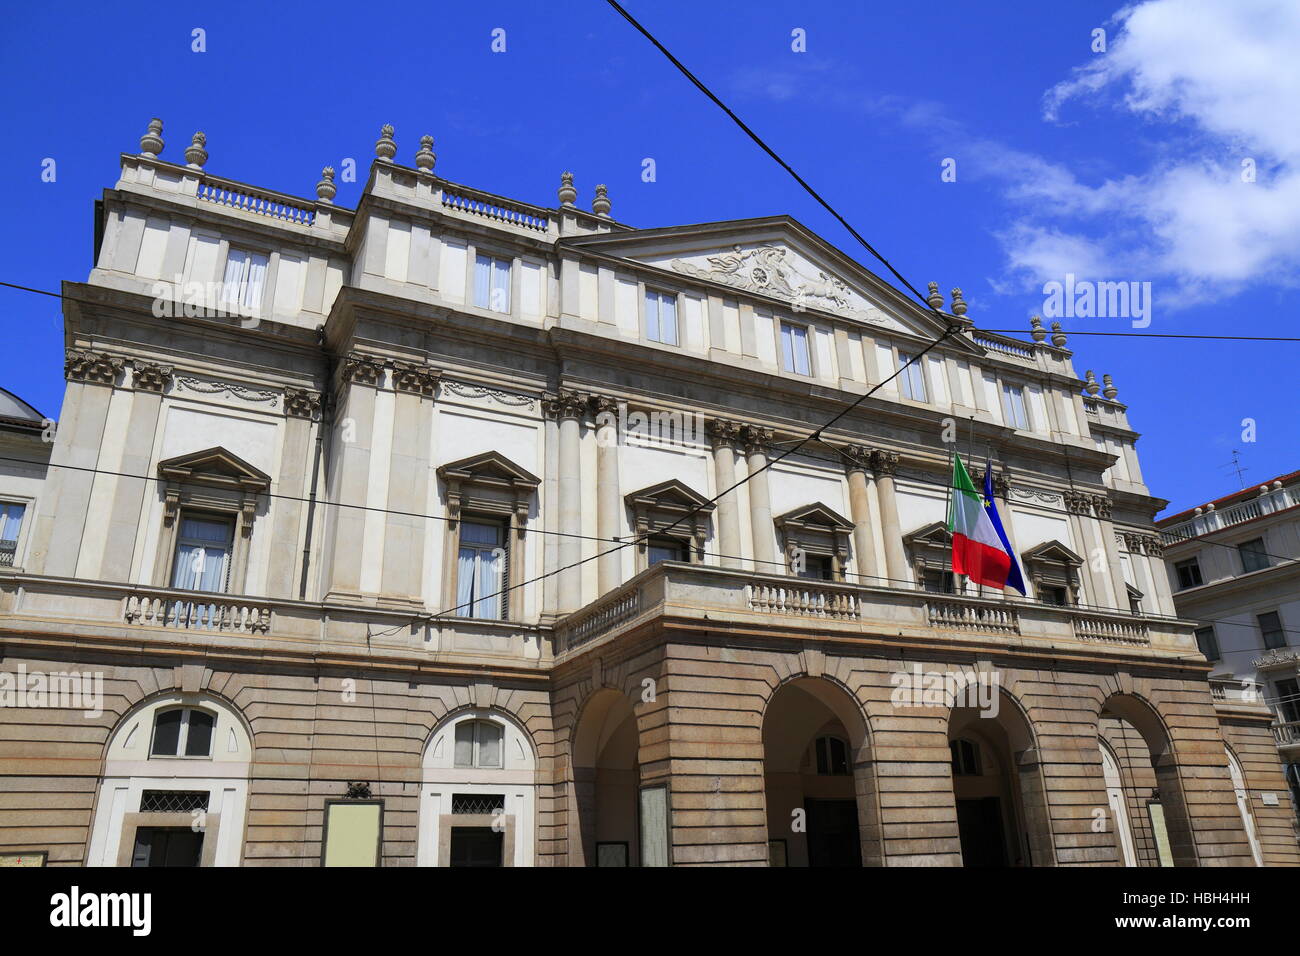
[667,524]
[211,500]
[1053,570]
[815,541]
[489,499]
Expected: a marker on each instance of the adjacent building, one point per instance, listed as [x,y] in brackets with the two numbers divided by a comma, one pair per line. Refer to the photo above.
[1234,568]
[456,530]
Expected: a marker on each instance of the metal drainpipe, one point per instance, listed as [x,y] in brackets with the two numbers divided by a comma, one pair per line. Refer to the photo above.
[326,419]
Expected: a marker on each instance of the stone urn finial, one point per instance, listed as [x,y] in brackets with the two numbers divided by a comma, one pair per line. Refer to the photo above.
[567,194]
[1090,385]
[600,205]
[1110,391]
[195,154]
[386,146]
[325,189]
[1036,330]
[935,297]
[426,157]
[958,303]
[1058,337]
[151,143]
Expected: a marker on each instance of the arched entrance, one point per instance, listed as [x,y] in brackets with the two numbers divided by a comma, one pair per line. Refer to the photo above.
[1118,804]
[818,778]
[606,781]
[997,787]
[175,785]
[477,793]
[1243,806]
[1152,788]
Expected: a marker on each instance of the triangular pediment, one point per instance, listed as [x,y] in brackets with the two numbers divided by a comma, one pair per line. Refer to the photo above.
[815,516]
[1054,552]
[934,534]
[489,466]
[670,494]
[214,465]
[776,258]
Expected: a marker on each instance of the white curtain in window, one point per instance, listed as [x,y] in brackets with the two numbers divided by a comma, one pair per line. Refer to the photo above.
[252,297]
[668,320]
[489,744]
[202,555]
[465,743]
[11,521]
[482,281]
[500,286]
[236,264]
[794,348]
[479,571]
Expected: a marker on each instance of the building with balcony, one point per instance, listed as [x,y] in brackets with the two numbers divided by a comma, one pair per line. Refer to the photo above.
[1234,570]
[453,530]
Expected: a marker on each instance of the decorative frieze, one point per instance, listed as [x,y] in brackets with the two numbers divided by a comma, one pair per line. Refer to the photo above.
[301,402]
[1101,507]
[81,365]
[362,369]
[420,379]
[228,388]
[470,390]
[1077,503]
[1154,546]
[151,377]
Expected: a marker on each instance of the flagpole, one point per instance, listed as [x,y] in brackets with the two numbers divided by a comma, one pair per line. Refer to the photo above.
[949,518]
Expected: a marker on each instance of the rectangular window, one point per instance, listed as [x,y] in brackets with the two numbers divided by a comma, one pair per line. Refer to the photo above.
[794,349]
[1208,643]
[654,826]
[817,567]
[1053,594]
[661,317]
[938,581]
[1270,626]
[1288,700]
[11,525]
[1189,574]
[1253,555]
[241,289]
[353,829]
[481,571]
[664,549]
[203,550]
[911,377]
[1014,400]
[167,846]
[492,283]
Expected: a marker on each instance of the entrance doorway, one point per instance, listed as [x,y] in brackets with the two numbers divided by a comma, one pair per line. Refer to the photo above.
[833,833]
[476,846]
[979,825]
[167,846]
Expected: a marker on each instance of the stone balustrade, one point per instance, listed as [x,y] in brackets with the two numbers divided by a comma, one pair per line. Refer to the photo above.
[216,612]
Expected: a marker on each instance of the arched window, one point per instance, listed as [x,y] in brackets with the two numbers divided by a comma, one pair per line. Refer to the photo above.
[832,756]
[183,732]
[478,744]
[965,757]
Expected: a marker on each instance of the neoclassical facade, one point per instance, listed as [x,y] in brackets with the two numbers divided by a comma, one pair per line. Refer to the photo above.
[451,530]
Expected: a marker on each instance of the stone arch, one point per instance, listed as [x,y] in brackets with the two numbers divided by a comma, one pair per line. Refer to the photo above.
[158,799]
[605,767]
[820,805]
[1237,773]
[1154,793]
[478,791]
[998,788]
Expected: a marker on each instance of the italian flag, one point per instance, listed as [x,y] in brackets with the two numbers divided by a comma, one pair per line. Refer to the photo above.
[977,550]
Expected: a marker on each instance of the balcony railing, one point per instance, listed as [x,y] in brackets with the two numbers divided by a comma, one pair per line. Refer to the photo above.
[971,616]
[801,600]
[1212,520]
[595,620]
[1110,629]
[260,202]
[215,612]
[1287,733]
[7,551]
[497,208]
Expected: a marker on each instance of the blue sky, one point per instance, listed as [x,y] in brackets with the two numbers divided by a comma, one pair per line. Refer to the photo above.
[1120,166]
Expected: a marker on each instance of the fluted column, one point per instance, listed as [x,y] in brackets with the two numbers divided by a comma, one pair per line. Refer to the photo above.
[857,459]
[760,499]
[723,435]
[568,408]
[885,464]
[608,501]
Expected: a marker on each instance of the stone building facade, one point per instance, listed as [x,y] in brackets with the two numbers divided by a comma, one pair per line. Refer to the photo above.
[455,530]
[1234,569]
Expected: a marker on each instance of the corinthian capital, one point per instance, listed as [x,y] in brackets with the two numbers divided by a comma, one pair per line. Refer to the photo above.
[723,432]
[565,403]
[362,369]
[756,438]
[81,365]
[884,462]
[151,377]
[1101,506]
[856,457]
[603,405]
[420,379]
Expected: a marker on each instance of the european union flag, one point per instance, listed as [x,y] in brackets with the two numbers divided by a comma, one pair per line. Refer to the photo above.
[1014,577]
